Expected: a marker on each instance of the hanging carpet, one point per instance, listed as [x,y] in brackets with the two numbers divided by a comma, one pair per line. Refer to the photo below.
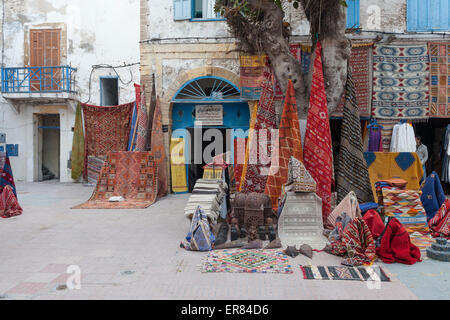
[158,150]
[142,123]
[439,79]
[251,76]
[6,174]
[77,146]
[178,165]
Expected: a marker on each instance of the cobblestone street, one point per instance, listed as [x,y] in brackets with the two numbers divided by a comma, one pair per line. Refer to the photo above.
[135,254]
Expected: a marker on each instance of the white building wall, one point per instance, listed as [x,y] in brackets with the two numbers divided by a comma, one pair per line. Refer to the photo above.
[100,32]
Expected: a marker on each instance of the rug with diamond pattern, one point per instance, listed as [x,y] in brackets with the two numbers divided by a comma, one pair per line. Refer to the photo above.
[247,261]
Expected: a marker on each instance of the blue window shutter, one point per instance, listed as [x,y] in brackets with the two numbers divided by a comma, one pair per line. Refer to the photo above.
[427,15]
[352,14]
[181,9]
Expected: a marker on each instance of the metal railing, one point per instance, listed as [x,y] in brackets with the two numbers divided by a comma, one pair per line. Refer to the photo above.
[52,79]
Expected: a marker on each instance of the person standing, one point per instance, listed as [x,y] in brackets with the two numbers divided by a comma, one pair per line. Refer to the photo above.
[422,152]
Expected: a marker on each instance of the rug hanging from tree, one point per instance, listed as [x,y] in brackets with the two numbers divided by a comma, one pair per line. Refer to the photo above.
[400,81]
[252,76]
[317,150]
[131,175]
[247,261]
[289,145]
[439,79]
[107,129]
[361,71]
[352,173]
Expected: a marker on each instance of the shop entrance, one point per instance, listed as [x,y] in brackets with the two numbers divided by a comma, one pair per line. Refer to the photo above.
[48,147]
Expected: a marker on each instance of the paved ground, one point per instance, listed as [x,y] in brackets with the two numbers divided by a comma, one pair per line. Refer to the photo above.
[135,254]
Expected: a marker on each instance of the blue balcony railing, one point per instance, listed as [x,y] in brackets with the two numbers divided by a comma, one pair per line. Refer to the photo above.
[39,79]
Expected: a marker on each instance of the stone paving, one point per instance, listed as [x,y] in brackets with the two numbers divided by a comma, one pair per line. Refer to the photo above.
[135,254]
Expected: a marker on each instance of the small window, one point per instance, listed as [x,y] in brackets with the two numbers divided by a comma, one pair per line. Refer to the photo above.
[204,9]
[109,91]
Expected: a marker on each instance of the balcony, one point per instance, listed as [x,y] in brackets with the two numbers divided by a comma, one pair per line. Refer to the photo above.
[41,84]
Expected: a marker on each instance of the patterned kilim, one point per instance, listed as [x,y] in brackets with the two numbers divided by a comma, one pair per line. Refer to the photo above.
[373,273]
[352,173]
[439,79]
[213,173]
[107,129]
[9,206]
[299,177]
[134,122]
[405,205]
[289,145]
[248,261]
[132,175]
[6,174]
[317,151]
[400,81]
[360,65]
[142,123]
[257,162]
[157,149]
[95,166]
[77,146]
[240,145]
[178,165]
[389,165]
[252,76]
[422,241]
[386,132]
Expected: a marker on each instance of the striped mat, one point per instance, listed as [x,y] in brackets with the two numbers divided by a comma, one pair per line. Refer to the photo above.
[373,273]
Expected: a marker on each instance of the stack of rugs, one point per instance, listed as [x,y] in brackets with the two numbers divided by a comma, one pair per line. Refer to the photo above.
[94,166]
[209,195]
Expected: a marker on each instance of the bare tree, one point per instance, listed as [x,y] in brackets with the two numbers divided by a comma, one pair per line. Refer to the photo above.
[259,27]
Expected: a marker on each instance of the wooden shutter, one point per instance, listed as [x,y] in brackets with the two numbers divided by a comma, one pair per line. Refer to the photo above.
[182,9]
[352,14]
[427,15]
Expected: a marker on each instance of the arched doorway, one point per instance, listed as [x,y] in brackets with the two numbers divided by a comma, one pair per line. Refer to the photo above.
[209,115]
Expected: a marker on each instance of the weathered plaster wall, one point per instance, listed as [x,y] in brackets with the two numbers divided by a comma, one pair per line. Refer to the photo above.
[93,33]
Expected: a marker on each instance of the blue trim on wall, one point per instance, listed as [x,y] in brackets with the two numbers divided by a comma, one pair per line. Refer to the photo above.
[174,99]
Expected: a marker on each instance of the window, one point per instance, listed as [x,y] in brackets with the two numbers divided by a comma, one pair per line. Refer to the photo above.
[427,15]
[194,10]
[352,14]
[109,91]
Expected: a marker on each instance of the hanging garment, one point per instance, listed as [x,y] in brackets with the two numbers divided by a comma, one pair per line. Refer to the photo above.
[142,123]
[356,244]
[178,165]
[317,151]
[396,245]
[440,223]
[6,174]
[9,206]
[432,195]
[258,156]
[348,205]
[375,141]
[158,150]
[289,145]
[445,156]
[200,236]
[352,173]
[403,138]
[77,146]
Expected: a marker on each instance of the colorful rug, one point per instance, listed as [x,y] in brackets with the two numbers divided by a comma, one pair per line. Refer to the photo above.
[373,273]
[77,155]
[9,206]
[178,165]
[251,76]
[132,175]
[389,165]
[422,241]
[142,123]
[6,174]
[439,79]
[258,156]
[240,145]
[247,261]
[95,165]
[400,81]
[317,149]
[405,205]
[289,144]
[107,129]
[360,66]
[158,151]
[352,173]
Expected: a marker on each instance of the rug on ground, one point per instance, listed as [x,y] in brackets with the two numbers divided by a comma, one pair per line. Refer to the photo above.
[400,81]
[247,261]
[132,175]
[372,273]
